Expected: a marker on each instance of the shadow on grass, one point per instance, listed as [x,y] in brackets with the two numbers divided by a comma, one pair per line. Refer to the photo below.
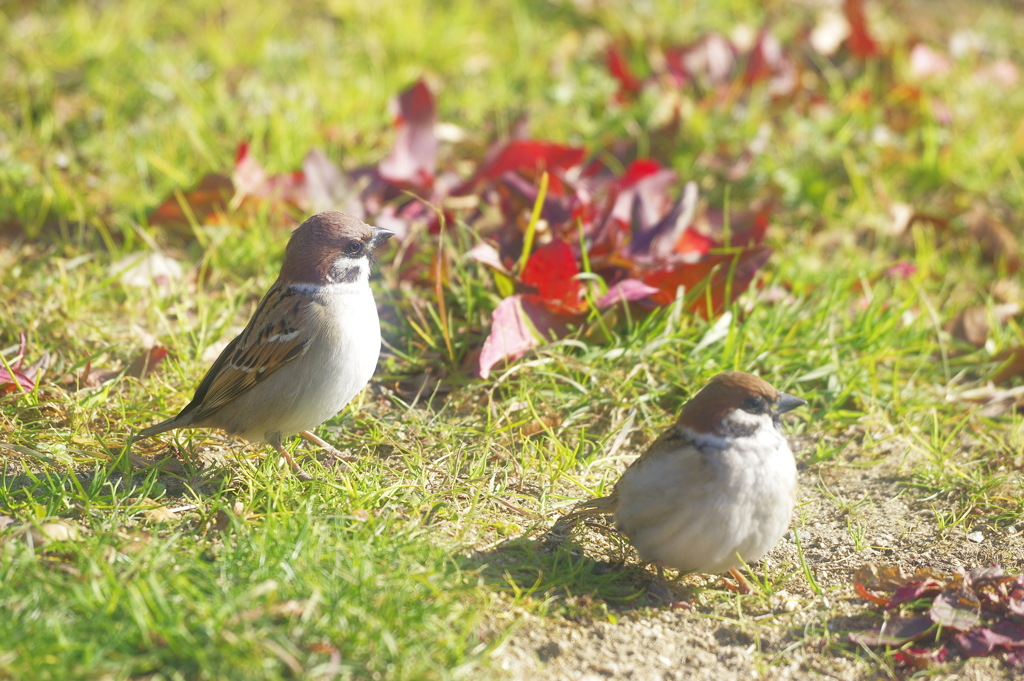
[32,485]
[555,572]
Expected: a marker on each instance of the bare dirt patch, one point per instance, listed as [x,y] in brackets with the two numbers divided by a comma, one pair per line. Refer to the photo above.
[850,514]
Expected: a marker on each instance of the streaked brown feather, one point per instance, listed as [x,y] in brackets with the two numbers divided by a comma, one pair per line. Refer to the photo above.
[599,506]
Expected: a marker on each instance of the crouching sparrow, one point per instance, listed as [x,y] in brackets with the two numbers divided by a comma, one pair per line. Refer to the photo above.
[717,488]
[309,348]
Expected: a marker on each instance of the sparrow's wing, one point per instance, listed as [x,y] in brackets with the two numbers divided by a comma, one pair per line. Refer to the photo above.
[275,335]
[672,464]
[670,440]
[608,505]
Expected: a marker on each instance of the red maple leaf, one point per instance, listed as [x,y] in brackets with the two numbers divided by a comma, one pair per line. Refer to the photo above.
[552,269]
[860,42]
[413,157]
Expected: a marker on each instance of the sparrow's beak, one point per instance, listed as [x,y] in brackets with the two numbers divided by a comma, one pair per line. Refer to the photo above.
[379,235]
[787,402]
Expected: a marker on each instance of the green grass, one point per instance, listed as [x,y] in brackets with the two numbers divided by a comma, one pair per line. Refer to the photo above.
[416,563]
[254,582]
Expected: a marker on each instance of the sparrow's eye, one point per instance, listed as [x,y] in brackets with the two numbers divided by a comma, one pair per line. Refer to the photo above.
[353,248]
[755,405]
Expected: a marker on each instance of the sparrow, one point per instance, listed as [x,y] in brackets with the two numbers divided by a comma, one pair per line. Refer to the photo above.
[717,489]
[309,348]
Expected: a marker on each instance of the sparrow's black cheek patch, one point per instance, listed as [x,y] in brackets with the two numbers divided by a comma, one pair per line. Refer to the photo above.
[345,272]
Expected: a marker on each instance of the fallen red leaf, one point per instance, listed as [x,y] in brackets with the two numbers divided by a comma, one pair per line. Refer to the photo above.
[629,84]
[656,234]
[692,242]
[922,658]
[642,196]
[528,156]
[983,641]
[552,269]
[972,609]
[519,323]
[767,59]
[14,381]
[860,42]
[711,60]
[486,254]
[725,277]
[146,362]
[895,631]
[22,378]
[328,187]
[558,206]
[413,158]
[868,595]
[251,180]
[626,291]
[915,590]
[638,170]
[956,609]
[209,197]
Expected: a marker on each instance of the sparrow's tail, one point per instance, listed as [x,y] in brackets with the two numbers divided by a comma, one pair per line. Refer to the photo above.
[161,427]
[599,506]
[563,527]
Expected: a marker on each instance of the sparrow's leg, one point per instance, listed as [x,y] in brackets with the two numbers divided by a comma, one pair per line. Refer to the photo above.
[274,440]
[659,587]
[332,453]
[288,457]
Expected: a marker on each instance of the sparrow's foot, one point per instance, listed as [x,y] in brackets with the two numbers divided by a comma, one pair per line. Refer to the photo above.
[741,585]
[661,589]
[332,454]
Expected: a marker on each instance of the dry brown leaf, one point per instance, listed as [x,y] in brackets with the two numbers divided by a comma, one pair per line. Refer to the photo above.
[997,242]
[891,577]
[281,610]
[544,424]
[994,401]
[1011,365]
[970,326]
[146,270]
[1008,291]
[207,198]
[54,531]
[155,512]
[135,542]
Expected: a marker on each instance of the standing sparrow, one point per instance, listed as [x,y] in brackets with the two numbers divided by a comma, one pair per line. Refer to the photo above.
[717,488]
[311,345]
